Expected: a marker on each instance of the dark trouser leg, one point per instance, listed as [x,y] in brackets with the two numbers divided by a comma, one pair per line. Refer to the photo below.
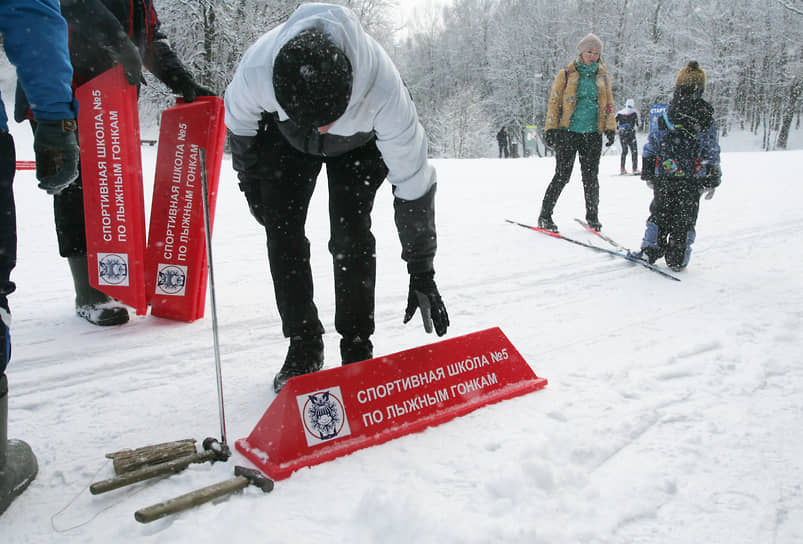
[353,181]
[634,153]
[681,233]
[8,217]
[624,145]
[659,222]
[284,185]
[565,152]
[590,151]
[68,213]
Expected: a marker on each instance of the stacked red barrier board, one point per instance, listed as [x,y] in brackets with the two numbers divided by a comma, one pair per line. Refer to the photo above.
[176,259]
[111,173]
[320,416]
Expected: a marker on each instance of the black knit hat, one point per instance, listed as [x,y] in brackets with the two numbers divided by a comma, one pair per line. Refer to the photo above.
[312,79]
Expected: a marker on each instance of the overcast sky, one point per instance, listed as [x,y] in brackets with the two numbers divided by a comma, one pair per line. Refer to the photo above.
[407,8]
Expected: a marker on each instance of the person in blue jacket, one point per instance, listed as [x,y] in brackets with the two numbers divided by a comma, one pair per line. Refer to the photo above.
[35,41]
[104,33]
[680,164]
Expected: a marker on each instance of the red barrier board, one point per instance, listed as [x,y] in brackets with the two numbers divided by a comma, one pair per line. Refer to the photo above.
[26,165]
[318,417]
[111,173]
[176,260]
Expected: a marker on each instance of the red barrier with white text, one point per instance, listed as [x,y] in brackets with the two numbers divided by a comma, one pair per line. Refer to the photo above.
[111,173]
[176,260]
[320,416]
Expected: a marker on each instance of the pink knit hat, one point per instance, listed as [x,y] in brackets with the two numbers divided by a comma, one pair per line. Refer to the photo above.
[590,42]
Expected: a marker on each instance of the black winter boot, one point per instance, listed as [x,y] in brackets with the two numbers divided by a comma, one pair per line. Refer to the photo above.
[354,350]
[546,223]
[96,307]
[18,466]
[304,356]
[594,223]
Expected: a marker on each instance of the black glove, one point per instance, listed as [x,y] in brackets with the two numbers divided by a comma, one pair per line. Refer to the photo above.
[551,137]
[55,146]
[611,135]
[189,89]
[713,176]
[424,295]
[124,52]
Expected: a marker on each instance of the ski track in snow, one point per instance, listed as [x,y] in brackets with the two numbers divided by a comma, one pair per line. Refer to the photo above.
[672,414]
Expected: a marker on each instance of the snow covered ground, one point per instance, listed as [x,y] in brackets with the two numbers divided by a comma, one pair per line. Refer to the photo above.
[673,411]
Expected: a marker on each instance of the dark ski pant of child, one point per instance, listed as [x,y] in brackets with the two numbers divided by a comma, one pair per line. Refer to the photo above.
[673,215]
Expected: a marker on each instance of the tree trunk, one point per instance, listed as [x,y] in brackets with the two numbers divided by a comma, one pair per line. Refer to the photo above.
[789,112]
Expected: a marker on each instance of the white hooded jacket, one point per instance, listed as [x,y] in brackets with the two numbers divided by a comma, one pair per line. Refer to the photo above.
[379,103]
[630,109]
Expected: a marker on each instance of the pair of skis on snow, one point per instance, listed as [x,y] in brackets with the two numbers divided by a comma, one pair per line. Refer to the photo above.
[620,250]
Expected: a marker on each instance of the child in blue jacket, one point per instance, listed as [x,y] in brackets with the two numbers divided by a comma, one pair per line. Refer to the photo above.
[680,162]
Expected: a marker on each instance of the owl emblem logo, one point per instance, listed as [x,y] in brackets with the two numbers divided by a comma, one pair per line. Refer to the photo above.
[112,269]
[323,416]
[171,280]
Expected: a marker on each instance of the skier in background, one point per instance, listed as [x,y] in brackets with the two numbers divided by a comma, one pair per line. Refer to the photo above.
[628,120]
[35,41]
[318,90]
[680,164]
[579,112]
[104,33]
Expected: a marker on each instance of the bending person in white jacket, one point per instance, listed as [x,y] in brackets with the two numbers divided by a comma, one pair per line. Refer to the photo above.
[318,90]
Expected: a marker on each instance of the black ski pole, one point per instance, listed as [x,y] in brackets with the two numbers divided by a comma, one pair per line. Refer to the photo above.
[208,232]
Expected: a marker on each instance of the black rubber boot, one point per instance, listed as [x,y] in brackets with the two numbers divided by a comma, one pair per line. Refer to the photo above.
[96,307]
[18,466]
[354,350]
[304,356]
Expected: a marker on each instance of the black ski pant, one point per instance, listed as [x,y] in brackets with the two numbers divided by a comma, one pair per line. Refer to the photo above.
[8,216]
[628,141]
[503,150]
[570,144]
[673,212]
[8,239]
[281,200]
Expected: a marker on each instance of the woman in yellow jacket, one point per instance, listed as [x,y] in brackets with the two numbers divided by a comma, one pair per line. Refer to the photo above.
[580,111]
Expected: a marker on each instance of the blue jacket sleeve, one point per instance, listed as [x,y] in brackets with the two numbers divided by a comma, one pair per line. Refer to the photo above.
[35,41]
[653,140]
[709,143]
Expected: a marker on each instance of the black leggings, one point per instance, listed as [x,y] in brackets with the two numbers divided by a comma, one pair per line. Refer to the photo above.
[629,141]
[569,145]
